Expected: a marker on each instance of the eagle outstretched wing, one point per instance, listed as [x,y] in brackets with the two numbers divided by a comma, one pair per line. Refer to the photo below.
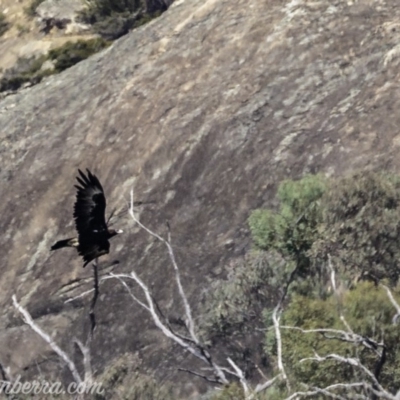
[90,221]
[89,214]
[90,205]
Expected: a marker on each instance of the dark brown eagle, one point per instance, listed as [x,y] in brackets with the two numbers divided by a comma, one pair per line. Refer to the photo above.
[90,222]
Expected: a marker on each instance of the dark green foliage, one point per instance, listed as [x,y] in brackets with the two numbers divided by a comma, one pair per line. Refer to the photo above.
[27,69]
[102,8]
[361,226]
[147,17]
[278,391]
[31,9]
[71,53]
[293,229]
[356,221]
[235,392]
[232,318]
[368,311]
[232,392]
[123,381]
[4,25]
[235,307]
[111,18]
[114,18]
[114,26]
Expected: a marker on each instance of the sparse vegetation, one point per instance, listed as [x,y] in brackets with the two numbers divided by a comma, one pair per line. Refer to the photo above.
[230,392]
[71,53]
[4,25]
[30,10]
[123,380]
[112,19]
[26,70]
[29,70]
[22,29]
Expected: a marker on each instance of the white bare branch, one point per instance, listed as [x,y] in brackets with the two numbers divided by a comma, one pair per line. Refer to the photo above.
[263,386]
[371,383]
[346,324]
[393,301]
[344,336]
[87,365]
[355,362]
[192,343]
[334,287]
[120,278]
[188,311]
[64,356]
[332,276]
[240,375]
[327,391]
[276,317]
[79,296]
[193,348]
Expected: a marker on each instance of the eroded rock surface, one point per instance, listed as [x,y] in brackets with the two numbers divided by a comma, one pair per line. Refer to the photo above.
[61,14]
[205,110]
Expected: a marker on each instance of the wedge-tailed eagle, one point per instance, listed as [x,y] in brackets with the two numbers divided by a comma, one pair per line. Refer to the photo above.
[89,214]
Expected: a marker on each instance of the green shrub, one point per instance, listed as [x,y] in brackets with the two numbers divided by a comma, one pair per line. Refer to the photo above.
[293,229]
[122,380]
[361,226]
[231,392]
[28,69]
[114,18]
[4,25]
[353,219]
[369,313]
[97,8]
[235,306]
[114,26]
[71,53]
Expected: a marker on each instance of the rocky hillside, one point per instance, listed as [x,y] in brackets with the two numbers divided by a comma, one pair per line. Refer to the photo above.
[204,110]
[33,28]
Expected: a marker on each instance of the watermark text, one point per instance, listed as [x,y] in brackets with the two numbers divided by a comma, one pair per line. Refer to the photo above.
[48,387]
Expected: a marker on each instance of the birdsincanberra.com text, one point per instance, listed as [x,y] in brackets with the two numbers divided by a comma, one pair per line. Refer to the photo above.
[48,387]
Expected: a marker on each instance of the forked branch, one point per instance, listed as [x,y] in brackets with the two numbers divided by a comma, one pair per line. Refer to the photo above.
[61,353]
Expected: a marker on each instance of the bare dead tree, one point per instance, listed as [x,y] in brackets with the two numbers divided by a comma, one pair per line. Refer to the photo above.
[87,379]
[190,342]
[373,386]
[394,303]
[47,338]
[276,317]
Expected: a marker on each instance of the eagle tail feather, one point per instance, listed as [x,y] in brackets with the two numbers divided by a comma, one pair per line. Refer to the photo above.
[71,242]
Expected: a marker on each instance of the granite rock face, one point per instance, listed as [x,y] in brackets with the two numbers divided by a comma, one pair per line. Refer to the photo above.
[60,14]
[204,111]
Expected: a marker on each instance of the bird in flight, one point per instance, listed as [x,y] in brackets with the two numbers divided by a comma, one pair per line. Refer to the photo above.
[89,214]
